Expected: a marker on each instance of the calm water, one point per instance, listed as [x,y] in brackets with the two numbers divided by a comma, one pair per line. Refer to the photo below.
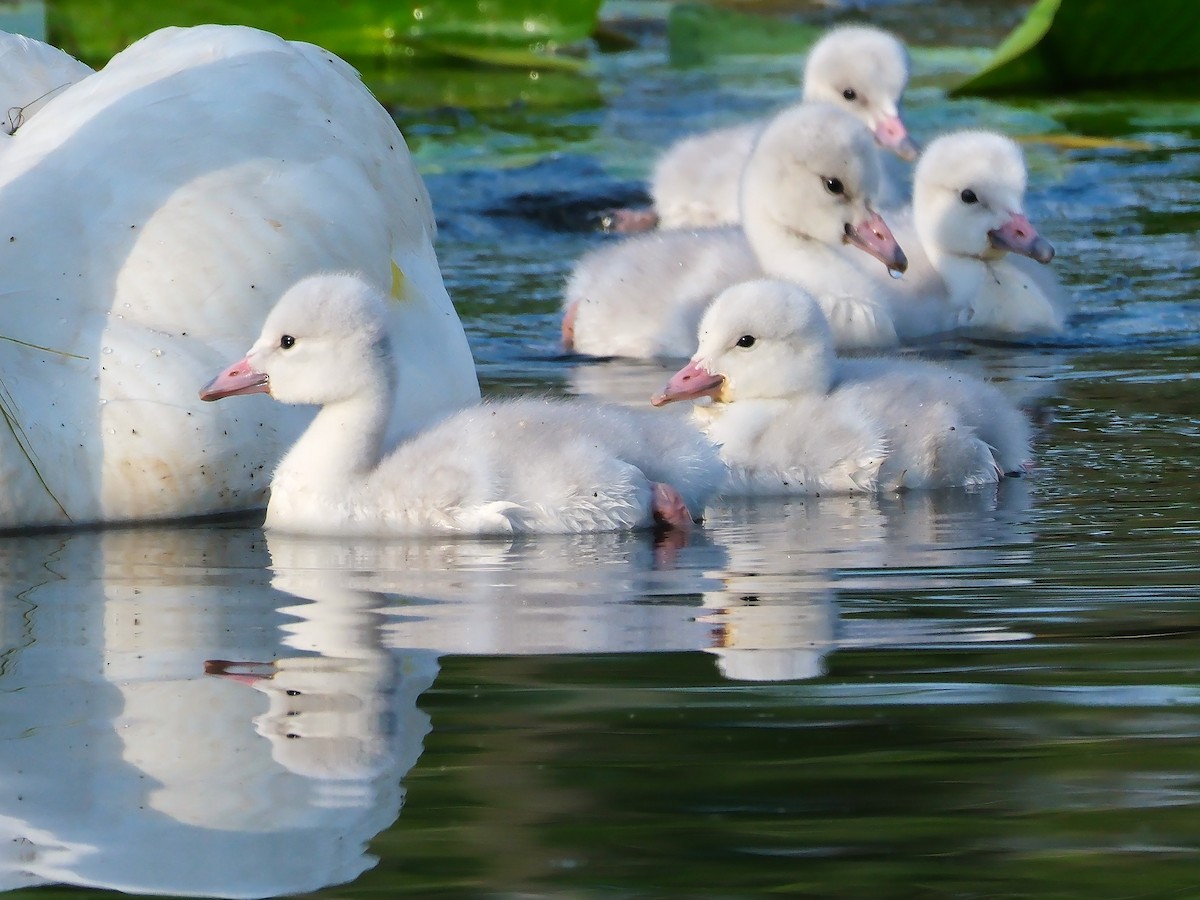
[955,694]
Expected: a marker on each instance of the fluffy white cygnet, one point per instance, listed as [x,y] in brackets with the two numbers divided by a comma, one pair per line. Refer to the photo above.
[864,70]
[790,416]
[807,197]
[978,272]
[527,465]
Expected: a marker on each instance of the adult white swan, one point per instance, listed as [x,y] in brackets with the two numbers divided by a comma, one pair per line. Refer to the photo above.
[150,214]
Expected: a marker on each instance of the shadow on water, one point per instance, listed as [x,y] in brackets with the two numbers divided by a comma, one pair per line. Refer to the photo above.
[944,694]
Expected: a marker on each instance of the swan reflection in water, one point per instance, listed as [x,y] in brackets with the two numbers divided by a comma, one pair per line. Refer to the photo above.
[208,711]
[126,767]
[796,566]
[762,599]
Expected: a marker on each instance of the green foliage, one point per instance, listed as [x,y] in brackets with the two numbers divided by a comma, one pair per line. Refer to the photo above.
[433,85]
[697,34]
[472,54]
[1069,45]
[522,33]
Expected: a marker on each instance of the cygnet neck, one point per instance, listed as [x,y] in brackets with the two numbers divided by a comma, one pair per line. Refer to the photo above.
[793,254]
[343,443]
[963,276]
[776,243]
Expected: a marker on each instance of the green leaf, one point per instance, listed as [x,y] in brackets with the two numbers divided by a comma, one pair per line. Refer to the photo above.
[523,33]
[697,34]
[1071,45]
[499,55]
[450,85]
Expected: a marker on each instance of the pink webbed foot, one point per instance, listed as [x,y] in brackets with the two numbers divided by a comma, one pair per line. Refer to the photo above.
[669,509]
[629,221]
[245,672]
[568,326]
[673,523]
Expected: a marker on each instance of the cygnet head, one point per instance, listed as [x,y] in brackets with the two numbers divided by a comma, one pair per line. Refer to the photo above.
[814,172]
[968,199]
[324,342]
[864,71]
[763,339]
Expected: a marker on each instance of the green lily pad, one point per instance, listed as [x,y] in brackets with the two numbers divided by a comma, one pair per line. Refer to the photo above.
[450,85]
[520,33]
[698,34]
[1071,45]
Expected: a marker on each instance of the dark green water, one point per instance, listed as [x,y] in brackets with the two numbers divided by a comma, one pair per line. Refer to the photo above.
[956,694]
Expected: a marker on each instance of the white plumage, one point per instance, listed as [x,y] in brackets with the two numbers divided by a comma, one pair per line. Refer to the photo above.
[30,74]
[807,196]
[975,260]
[864,70]
[149,214]
[518,466]
[792,418]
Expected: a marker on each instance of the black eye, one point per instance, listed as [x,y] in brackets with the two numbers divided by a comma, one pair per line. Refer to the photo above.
[287,342]
[850,94]
[834,186]
[746,340]
[968,196]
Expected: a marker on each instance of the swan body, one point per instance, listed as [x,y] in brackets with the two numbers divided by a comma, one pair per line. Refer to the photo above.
[695,183]
[518,466]
[864,70]
[643,296]
[807,198]
[978,262]
[150,212]
[792,418]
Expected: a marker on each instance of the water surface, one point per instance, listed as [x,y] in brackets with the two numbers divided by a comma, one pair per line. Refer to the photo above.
[985,693]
